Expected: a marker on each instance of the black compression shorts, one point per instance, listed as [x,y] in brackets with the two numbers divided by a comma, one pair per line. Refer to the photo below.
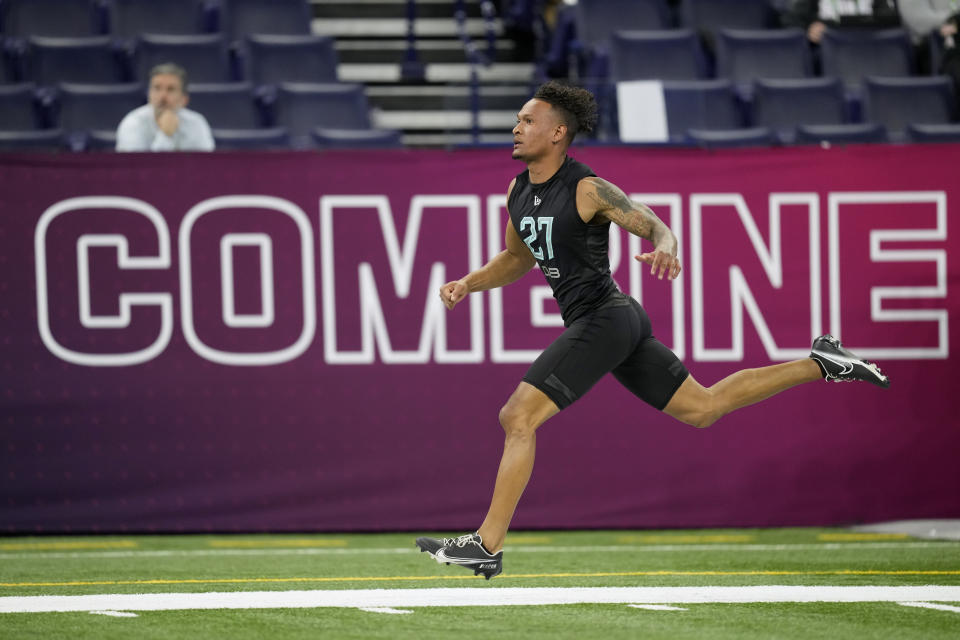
[615,338]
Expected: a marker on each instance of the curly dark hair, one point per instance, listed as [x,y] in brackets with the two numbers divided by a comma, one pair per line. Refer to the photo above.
[577,107]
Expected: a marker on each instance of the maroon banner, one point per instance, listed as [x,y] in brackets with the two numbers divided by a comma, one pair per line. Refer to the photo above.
[242,342]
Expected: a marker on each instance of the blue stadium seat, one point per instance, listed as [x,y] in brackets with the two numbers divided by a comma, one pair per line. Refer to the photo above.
[853,54]
[43,140]
[672,54]
[783,105]
[272,59]
[241,18]
[101,140]
[53,18]
[302,107]
[700,104]
[857,133]
[709,16]
[130,18]
[82,60]
[7,75]
[204,56]
[898,102]
[226,105]
[595,19]
[746,55]
[751,137]
[83,107]
[251,139]
[582,32]
[933,132]
[18,108]
[326,138]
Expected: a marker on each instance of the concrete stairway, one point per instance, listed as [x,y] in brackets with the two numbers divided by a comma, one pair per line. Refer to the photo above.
[371,40]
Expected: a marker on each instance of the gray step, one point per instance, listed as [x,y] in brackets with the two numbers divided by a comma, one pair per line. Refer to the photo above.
[407,98]
[388,8]
[444,120]
[515,72]
[446,140]
[395,51]
[397,27]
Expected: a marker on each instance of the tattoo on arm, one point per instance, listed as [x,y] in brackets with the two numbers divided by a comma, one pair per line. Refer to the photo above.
[614,205]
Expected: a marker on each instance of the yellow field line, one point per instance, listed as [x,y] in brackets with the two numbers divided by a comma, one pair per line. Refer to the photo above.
[686,538]
[280,543]
[857,537]
[611,574]
[65,546]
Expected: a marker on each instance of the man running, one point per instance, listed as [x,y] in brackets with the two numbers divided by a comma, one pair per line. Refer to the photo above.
[560,214]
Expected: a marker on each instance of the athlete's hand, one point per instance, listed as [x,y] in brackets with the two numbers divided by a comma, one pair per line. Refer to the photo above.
[662,260]
[453,292]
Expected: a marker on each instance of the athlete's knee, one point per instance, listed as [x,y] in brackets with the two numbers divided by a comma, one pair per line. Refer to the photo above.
[703,419]
[515,420]
[706,411]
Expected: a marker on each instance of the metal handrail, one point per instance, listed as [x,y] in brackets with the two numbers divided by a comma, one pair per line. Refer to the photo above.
[475,56]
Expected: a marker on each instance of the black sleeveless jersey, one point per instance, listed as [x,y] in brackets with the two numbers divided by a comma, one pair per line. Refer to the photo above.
[571,253]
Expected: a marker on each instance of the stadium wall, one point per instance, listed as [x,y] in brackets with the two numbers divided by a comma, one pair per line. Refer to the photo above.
[247,342]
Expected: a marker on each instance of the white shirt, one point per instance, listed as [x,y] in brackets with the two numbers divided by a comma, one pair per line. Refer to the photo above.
[138,131]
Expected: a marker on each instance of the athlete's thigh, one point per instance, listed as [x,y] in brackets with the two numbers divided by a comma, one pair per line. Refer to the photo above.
[653,373]
[589,349]
[529,406]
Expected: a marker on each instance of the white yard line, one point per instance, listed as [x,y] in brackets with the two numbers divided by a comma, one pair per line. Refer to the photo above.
[620,548]
[115,614]
[657,607]
[931,605]
[473,597]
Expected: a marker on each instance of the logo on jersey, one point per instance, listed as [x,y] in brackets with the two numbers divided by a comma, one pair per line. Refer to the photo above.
[536,201]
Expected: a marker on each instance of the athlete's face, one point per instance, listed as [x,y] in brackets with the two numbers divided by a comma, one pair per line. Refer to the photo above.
[538,131]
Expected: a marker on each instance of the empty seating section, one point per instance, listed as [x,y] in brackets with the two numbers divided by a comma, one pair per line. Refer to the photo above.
[673,54]
[71,69]
[853,55]
[700,104]
[204,56]
[83,60]
[240,18]
[272,59]
[709,16]
[745,55]
[782,105]
[302,108]
[85,107]
[53,18]
[130,18]
[898,102]
[251,139]
[43,140]
[593,18]
[227,105]
[18,108]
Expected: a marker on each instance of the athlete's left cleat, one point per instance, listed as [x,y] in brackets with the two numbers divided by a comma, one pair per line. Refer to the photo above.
[468,552]
[432,545]
[841,365]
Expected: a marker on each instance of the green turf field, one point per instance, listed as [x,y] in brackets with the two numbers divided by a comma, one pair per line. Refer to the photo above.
[319,586]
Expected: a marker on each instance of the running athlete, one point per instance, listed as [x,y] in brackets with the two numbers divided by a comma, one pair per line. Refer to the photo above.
[560,214]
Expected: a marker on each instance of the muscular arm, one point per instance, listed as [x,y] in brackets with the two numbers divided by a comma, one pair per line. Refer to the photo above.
[507,266]
[598,198]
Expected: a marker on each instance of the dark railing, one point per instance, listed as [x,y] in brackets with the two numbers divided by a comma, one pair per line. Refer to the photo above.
[476,55]
[412,69]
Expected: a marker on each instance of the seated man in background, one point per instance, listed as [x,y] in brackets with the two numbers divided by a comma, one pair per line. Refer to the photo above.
[814,16]
[164,123]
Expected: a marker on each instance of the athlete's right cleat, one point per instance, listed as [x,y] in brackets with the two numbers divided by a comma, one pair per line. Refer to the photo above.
[839,365]
[466,551]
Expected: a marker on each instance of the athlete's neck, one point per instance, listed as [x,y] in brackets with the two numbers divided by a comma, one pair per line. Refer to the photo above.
[543,169]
